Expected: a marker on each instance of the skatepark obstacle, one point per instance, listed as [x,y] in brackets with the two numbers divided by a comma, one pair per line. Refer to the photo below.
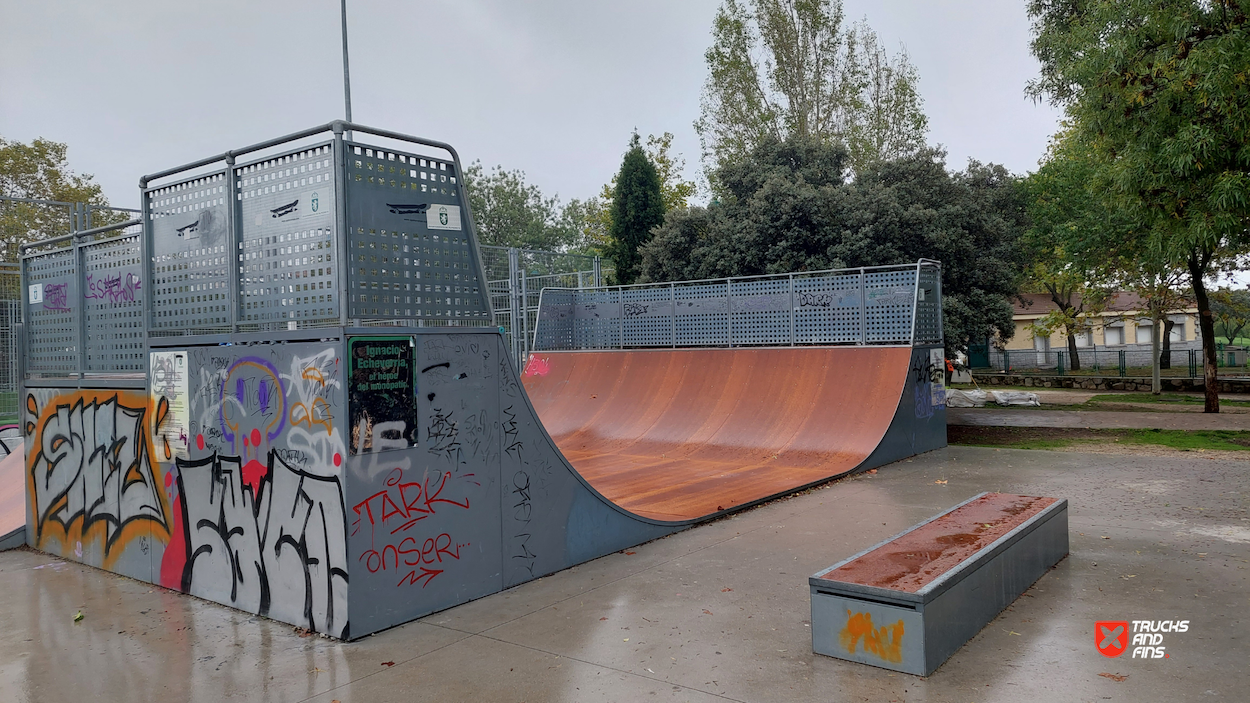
[280,389]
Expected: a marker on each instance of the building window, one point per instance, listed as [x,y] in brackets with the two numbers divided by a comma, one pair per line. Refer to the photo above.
[1143,333]
[1084,339]
[1178,332]
[1115,335]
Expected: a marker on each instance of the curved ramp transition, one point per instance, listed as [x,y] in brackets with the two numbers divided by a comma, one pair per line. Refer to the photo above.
[679,435]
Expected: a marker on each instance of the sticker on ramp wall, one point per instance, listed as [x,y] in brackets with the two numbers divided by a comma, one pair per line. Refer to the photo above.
[170,384]
[443,217]
[382,394]
[937,366]
[36,293]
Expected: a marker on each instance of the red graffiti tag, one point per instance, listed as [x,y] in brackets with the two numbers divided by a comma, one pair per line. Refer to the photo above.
[407,503]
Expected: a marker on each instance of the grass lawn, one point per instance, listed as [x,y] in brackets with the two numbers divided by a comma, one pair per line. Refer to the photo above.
[1061,437]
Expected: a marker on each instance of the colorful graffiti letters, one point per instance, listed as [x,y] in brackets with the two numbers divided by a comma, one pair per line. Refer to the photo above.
[91,470]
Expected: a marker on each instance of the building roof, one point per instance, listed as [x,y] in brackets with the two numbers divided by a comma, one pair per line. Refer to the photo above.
[1040,303]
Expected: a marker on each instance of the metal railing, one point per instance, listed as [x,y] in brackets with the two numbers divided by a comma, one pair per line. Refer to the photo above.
[516,278]
[879,306]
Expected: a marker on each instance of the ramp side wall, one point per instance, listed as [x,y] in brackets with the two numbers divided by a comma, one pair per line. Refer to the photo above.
[919,423]
[482,501]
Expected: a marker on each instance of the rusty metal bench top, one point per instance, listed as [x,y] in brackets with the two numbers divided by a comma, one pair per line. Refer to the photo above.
[920,556]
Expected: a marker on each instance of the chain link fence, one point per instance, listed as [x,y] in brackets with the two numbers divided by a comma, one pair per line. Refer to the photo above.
[516,277]
[1126,362]
[10,317]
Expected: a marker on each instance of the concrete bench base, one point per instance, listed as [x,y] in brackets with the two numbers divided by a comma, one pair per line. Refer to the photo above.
[912,601]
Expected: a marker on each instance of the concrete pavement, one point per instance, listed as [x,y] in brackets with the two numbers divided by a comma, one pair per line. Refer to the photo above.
[717,613]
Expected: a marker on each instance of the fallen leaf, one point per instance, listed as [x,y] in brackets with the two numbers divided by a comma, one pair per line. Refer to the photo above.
[1114,677]
[625,640]
[1105,537]
[388,663]
[726,590]
[78,616]
[871,471]
[941,482]
[706,611]
[316,670]
[602,619]
[630,553]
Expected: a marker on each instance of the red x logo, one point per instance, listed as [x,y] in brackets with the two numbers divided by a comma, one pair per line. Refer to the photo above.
[1111,637]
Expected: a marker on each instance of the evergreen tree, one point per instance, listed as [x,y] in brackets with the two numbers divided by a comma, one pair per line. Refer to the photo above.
[637,208]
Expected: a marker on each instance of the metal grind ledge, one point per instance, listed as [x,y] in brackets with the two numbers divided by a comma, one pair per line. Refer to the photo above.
[909,603]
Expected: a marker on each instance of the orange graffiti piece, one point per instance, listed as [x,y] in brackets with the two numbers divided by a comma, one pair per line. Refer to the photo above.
[162,412]
[885,641]
[319,415]
[312,373]
[63,520]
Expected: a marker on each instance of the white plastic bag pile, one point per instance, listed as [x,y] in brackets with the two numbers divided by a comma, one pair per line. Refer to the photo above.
[977,398]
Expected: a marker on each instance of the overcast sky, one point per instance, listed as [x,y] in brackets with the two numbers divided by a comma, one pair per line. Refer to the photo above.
[552,87]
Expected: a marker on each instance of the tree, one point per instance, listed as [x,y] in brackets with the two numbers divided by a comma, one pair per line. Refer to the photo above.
[40,171]
[1065,241]
[1231,308]
[508,211]
[783,68]
[788,207]
[1158,91]
[675,192]
[637,208]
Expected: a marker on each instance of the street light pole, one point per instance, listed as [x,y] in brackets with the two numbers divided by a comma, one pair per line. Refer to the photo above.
[347,83]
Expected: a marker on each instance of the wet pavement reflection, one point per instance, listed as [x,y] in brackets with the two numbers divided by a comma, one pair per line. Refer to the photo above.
[718,612]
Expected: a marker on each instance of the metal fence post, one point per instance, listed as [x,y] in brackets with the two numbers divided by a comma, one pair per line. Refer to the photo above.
[792,310]
[863,311]
[1006,361]
[1123,364]
[525,314]
[343,245]
[513,292]
[598,273]
[672,311]
[1058,363]
[234,237]
[729,310]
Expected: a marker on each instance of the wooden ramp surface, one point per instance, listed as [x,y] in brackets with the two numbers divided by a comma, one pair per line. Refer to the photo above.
[682,434]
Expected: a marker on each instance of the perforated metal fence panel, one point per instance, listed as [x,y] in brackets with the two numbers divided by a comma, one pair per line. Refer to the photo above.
[859,306]
[191,256]
[889,302]
[929,306]
[288,245]
[410,251]
[52,334]
[828,309]
[113,304]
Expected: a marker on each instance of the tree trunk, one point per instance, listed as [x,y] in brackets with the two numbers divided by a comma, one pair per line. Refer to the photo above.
[1165,360]
[1076,360]
[1206,325]
[1156,385]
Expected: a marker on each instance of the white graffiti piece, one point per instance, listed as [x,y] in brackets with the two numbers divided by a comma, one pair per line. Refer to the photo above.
[93,464]
[281,552]
[311,383]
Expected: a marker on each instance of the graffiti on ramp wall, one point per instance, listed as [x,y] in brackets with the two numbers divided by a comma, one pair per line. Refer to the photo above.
[238,498]
[93,481]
